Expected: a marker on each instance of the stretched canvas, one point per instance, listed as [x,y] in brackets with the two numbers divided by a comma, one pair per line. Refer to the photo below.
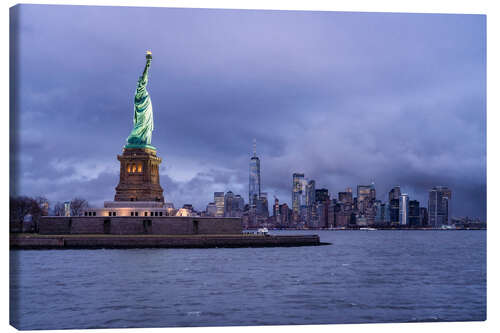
[176,167]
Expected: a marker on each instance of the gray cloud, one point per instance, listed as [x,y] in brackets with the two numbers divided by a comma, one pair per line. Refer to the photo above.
[344,97]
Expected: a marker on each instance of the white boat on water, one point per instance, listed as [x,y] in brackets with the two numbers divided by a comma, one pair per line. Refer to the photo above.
[448,227]
[368,229]
[263,231]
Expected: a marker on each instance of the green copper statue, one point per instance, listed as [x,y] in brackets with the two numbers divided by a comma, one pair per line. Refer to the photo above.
[140,137]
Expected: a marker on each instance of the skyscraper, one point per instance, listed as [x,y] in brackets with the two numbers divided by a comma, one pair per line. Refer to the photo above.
[239,202]
[366,197]
[414,213]
[424,217]
[228,204]
[219,204]
[379,208]
[387,213]
[439,206]
[394,195]
[262,206]
[211,209]
[346,197]
[404,210]
[322,195]
[297,191]
[331,213]
[310,193]
[276,211]
[343,215]
[321,216]
[254,177]
[285,215]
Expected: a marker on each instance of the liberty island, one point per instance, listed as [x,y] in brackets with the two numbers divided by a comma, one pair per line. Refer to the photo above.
[139,216]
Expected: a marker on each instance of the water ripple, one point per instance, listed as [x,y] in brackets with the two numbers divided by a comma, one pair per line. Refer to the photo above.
[384,276]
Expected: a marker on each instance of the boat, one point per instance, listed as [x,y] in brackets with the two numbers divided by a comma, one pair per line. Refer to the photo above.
[263,231]
[368,229]
[448,227]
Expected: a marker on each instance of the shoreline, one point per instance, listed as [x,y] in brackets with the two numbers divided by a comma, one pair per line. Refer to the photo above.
[376,229]
[103,241]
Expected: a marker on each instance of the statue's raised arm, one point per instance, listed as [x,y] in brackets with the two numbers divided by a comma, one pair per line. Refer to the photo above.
[144,78]
[140,137]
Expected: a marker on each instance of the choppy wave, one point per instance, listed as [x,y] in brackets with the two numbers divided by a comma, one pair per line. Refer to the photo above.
[361,277]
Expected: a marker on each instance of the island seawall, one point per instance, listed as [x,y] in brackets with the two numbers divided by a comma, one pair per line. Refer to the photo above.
[36,241]
[82,232]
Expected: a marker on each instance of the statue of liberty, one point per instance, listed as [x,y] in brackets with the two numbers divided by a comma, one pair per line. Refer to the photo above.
[140,137]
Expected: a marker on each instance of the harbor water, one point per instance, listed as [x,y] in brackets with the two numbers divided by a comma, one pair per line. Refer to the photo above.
[362,277]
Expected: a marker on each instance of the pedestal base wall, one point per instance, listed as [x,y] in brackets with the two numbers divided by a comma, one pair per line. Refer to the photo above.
[169,225]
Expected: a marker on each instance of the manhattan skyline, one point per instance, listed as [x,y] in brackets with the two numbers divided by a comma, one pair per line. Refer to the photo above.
[345,98]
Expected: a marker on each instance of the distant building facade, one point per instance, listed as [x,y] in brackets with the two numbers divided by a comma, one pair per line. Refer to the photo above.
[298,191]
[346,197]
[424,217]
[219,204]
[285,216]
[254,178]
[414,213]
[211,209]
[322,195]
[262,205]
[394,195]
[379,212]
[233,205]
[365,204]
[403,210]
[439,206]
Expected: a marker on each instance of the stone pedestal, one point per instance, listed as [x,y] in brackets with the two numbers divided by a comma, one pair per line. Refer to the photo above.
[139,176]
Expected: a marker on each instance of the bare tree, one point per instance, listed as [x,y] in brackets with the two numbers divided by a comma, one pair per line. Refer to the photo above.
[59,209]
[20,207]
[77,206]
[40,208]
[43,203]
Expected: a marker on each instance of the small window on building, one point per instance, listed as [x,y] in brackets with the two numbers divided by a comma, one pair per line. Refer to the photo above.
[156,213]
[139,167]
[128,168]
[114,213]
[145,213]
[85,214]
[109,213]
[131,213]
[136,213]
[161,213]
[94,213]
[134,168]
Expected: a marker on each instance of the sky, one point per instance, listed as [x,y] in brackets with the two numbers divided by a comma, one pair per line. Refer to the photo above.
[346,98]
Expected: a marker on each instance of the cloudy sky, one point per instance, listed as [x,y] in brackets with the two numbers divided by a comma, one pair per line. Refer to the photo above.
[346,98]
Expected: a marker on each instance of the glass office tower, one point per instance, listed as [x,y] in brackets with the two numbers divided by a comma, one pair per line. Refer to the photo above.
[439,206]
[254,178]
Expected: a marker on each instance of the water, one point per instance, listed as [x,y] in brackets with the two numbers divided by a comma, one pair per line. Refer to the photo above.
[364,276]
